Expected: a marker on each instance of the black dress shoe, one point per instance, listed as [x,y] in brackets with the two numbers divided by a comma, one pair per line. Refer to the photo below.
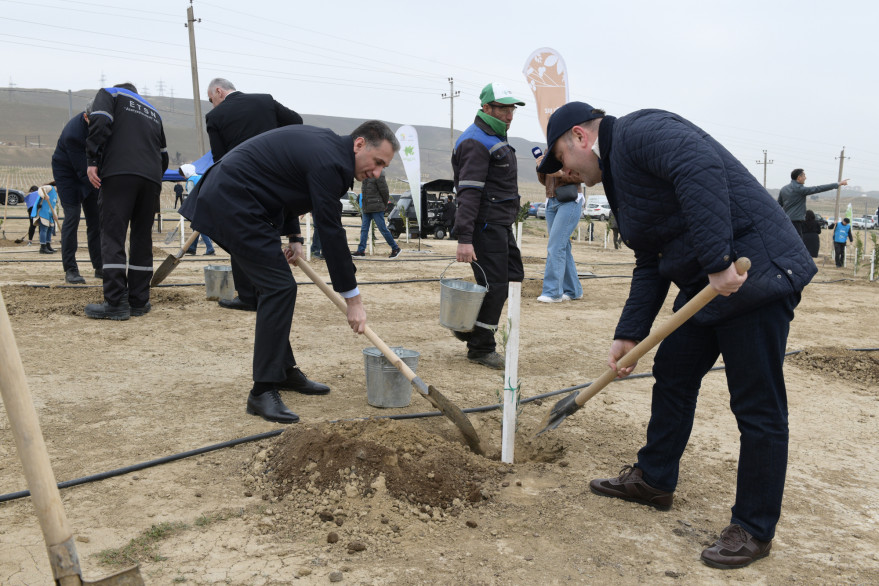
[211,253]
[236,303]
[107,310]
[99,273]
[73,277]
[270,407]
[298,382]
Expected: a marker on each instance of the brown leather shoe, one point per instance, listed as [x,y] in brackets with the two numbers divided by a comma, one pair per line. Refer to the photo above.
[736,548]
[629,486]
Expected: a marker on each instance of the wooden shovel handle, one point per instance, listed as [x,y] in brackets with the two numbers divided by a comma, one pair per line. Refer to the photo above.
[29,438]
[192,238]
[657,335]
[372,336]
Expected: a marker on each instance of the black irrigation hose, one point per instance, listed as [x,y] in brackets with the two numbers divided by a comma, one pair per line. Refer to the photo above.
[269,434]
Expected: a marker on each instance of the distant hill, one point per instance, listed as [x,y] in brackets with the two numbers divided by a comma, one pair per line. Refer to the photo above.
[32,119]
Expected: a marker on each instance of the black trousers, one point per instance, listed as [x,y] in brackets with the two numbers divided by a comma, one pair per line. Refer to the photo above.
[498,255]
[839,253]
[276,293]
[69,240]
[128,201]
[243,286]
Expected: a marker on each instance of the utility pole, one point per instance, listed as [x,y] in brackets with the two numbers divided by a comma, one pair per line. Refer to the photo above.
[196,94]
[764,162]
[451,97]
[842,158]
[69,104]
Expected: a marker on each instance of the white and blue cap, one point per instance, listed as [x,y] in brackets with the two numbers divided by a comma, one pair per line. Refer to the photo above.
[562,120]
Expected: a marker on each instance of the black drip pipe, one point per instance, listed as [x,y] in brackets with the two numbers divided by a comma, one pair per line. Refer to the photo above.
[269,434]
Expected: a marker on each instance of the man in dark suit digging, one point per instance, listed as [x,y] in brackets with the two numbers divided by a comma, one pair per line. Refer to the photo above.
[252,197]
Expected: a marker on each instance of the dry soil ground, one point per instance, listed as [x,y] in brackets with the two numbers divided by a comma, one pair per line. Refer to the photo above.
[403,502]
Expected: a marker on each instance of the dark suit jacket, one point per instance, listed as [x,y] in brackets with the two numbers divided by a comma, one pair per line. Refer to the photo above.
[242,116]
[257,192]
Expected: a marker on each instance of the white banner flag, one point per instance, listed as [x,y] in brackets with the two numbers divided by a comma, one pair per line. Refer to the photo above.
[412,164]
[548,79]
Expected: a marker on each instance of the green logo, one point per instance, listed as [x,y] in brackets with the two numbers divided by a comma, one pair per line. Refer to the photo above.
[409,151]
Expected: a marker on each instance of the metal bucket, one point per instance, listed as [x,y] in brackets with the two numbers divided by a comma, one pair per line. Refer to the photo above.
[460,302]
[218,282]
[385,385]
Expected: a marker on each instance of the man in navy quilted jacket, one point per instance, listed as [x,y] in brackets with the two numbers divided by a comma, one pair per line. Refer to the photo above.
[689,209]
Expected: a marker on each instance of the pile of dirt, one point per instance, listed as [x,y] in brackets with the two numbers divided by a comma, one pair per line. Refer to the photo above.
[72,299]
[840,362]
[360,458]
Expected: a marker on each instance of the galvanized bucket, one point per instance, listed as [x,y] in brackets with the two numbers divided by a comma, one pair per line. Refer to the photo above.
[460,302]
[218,282]
[385,385]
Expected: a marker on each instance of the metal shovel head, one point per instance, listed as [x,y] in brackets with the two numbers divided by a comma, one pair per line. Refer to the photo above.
[161,273]
[454,413]
[170,237]
[559,411]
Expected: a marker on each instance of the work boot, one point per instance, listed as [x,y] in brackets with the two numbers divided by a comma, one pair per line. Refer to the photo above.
[44,249]
[73,277]
[491,360]
[736,548]
[49,247]
[139,311]
[270,407]
[106,310]
[630,486]
[297,381]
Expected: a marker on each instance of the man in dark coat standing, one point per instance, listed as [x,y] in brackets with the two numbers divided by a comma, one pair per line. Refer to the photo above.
[127,155]
[237,117]
[77,195]
[689,209]
[253,197]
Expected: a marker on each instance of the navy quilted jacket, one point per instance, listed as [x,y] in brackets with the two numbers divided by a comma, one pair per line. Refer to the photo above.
[688,208]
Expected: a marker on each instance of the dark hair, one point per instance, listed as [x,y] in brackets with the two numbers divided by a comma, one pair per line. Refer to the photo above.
[33,188]
[126,86]
[810,216]
[796,173]
[846,221]
[375,132]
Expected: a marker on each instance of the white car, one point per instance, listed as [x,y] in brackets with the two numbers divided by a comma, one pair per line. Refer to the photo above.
[599,211]
[349,206]
[863,222]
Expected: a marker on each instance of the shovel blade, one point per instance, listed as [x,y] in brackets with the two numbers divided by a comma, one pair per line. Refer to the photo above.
[164,269]
[170,237]
[454,413]
[559,411]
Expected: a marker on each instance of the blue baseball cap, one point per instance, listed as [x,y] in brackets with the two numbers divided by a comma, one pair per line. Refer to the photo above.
[561,121]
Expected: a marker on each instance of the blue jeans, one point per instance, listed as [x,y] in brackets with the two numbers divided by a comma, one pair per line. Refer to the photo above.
[560,274]
[379,219]
[752,346]
[46,233]
[208,244]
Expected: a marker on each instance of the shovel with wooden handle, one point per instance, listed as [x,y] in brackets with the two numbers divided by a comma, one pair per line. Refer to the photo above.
[170,263]
[38,471]
[572,403]
[433,396]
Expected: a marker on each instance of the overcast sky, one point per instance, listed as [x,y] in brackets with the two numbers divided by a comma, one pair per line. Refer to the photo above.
[798,79]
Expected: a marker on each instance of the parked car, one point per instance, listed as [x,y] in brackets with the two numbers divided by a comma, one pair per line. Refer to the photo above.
[863,222]
[13,197]
[349,204]
[392,202]
[822,223]
[599,211]
[540,212]
[532,209]
[433,198]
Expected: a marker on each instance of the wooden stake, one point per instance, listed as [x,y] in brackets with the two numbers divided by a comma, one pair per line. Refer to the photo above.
[511,374]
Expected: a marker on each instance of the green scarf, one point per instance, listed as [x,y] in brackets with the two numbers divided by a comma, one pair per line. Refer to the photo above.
[498,126]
